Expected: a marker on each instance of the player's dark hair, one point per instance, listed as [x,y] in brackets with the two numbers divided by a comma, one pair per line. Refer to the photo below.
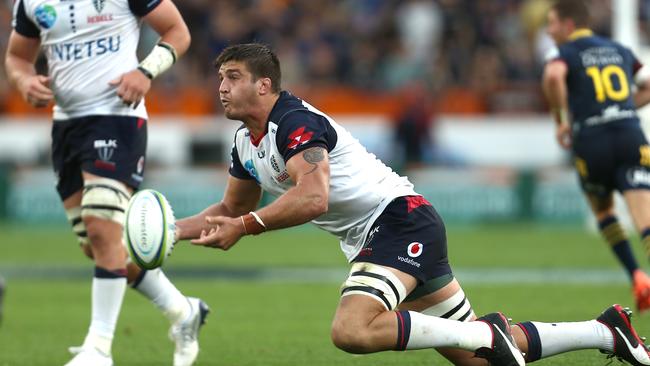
[577,10]
[259,59]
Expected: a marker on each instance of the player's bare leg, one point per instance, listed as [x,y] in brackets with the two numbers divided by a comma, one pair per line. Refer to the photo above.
[363,324]
[614,234]
[638,204]
[186,314]
[96,214]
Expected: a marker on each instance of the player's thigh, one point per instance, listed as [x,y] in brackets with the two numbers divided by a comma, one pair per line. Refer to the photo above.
[406,248]
[638,204]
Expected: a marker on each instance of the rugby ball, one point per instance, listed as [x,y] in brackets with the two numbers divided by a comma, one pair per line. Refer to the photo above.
[149,228]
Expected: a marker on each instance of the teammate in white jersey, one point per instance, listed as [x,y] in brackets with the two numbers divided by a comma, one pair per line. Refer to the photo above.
[400,293]
[99,139]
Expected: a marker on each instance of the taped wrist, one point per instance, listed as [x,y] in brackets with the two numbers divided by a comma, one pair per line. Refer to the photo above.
[561,116]
[253,225]
[161,58]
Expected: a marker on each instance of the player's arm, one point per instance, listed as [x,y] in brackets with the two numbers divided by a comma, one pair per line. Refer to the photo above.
[305,201]
[20,58]
[555,90]
[240,197]
[174,41]
[642,80]
[308,198]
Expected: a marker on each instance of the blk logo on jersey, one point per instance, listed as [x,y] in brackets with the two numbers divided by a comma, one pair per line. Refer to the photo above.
[414,249]
[299,137]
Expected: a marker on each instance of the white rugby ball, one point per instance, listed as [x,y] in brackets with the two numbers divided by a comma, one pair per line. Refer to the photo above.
[149,228]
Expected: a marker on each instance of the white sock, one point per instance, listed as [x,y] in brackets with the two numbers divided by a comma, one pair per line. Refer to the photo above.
[155,286]
[107,295]
[430,331]
[563,337]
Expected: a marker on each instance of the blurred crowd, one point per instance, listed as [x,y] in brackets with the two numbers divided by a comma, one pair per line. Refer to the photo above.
[360,56]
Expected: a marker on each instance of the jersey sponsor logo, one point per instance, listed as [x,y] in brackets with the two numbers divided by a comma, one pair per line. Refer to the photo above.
[250,168]
[99,5]
[609,114]
[88,49]
[599,56]
[261,154]
[299,137]
[638,177]
[415,249]
[408,260]
[274,164]
[45,16]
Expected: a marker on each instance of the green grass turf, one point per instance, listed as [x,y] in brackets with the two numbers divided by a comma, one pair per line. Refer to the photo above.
[285,323]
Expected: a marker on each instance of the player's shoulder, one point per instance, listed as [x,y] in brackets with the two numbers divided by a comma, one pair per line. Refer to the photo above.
[290,110]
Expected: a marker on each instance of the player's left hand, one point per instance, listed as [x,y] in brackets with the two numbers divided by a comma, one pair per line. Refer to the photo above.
[563,135]
[132,87]
[225,233]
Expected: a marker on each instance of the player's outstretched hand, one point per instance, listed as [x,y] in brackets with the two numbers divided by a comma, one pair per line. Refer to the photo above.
[36,91]
[563,135]
[226,231]
[131,87]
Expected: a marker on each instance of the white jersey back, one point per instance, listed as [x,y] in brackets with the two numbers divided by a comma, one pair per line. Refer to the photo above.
[87,43]
[361,186]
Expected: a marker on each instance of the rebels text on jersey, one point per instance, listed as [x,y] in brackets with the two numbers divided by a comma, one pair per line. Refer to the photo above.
[361,186]
[87,43]
[599,80]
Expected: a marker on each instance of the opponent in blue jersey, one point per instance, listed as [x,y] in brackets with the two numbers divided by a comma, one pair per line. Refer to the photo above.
[401,293]
[588,82]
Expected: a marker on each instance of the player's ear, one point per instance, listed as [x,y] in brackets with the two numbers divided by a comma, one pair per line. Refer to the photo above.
[265,86]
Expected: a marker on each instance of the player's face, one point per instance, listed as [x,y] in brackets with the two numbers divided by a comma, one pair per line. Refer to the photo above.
[237,90]
[557,28]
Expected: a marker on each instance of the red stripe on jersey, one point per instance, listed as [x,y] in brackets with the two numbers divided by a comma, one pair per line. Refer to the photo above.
[415,202]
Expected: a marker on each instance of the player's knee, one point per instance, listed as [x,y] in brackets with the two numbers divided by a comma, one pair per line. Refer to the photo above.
[106,199]
[351,339]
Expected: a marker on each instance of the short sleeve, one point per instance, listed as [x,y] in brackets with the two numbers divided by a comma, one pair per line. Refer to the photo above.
[300,130]
[236,169]
[21,22]
[143,7]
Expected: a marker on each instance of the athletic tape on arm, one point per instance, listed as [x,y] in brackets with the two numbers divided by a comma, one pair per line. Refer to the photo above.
[161,58]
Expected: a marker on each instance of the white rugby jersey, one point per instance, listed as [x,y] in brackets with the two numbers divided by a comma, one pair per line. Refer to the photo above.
[87,44]
[361,186]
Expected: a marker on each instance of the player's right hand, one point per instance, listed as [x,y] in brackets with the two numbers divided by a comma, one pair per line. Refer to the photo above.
[563,135]
[36,91]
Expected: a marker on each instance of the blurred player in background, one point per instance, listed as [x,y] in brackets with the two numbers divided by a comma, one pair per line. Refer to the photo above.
[401,293]
[99,140]
[588,83]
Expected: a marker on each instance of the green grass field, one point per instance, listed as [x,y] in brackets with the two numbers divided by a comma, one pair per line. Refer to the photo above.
[263,316]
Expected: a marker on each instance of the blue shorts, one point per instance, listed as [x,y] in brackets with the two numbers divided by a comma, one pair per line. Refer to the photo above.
[107,146]
[408,236]
[612,158]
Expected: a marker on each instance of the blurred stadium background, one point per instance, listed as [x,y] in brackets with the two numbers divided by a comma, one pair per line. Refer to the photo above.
[445,91]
